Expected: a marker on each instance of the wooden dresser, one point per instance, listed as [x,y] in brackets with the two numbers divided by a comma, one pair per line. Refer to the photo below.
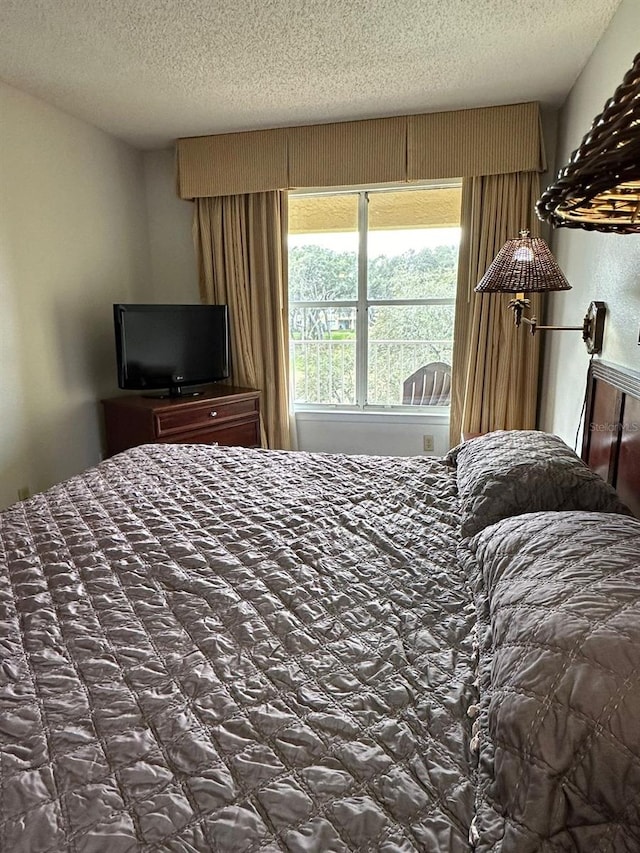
[221,414]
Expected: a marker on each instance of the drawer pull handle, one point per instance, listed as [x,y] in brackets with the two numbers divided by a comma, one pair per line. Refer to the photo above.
[212,414]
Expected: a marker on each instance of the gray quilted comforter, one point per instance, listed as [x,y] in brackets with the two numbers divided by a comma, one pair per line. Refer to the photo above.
[558,730]
[235,650]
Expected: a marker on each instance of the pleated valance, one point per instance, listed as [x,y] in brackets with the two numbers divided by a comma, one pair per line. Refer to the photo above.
[458,144]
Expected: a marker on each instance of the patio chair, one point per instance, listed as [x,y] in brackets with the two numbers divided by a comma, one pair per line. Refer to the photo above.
[428,386]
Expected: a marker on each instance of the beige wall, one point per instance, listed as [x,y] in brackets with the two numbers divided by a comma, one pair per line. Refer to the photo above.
[73,240]
[599,266]
[174,275]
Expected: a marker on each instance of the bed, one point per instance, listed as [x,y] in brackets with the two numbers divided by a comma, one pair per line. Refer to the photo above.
[228,649]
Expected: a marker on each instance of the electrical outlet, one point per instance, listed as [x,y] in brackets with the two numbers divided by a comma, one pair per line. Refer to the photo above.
[427,443]
[24,493]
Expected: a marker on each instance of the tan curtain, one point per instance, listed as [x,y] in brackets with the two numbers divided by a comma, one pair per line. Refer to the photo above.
[495,365]
[240,245]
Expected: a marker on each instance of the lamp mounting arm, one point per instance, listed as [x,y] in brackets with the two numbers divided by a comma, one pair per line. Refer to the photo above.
[536,327]
[592,327]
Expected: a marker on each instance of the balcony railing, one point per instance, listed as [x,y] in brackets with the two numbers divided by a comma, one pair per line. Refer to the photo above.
[325,370]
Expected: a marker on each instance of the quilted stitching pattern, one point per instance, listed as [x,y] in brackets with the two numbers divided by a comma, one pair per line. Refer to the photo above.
[559,602]
[236,650]
[507,473]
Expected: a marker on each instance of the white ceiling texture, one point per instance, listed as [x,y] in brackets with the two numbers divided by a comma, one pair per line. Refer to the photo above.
[149,71]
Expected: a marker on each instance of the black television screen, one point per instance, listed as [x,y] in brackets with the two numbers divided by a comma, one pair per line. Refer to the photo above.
[171,346]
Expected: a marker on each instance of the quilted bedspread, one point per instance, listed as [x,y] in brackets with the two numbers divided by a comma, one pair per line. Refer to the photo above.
[559,723]
[236,650]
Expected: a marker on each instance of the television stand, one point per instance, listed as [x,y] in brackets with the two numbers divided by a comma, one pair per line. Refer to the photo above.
[220,414]
[175,392]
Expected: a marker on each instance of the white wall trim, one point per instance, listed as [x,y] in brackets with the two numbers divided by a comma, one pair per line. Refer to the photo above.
[406,418]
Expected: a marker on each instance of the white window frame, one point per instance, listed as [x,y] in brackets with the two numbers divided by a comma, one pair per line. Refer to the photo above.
[362,304]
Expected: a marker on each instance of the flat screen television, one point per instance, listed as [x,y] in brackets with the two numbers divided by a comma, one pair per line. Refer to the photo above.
[171,347]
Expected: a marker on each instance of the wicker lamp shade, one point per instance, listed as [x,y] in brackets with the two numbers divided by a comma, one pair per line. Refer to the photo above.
[523,265]
[599,189]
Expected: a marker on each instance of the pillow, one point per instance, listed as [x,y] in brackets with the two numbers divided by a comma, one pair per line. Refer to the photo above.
[556,727]
[511,472]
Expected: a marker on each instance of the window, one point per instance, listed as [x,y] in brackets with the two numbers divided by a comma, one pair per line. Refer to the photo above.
[372,280]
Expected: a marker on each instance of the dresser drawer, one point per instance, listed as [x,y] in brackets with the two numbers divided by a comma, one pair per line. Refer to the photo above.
[198,416]
[241,433]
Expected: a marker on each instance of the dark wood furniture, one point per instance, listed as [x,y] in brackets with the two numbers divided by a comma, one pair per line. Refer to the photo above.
[221,414]
[611,440]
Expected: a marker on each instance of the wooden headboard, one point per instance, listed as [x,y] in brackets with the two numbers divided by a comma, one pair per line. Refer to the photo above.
[611,441]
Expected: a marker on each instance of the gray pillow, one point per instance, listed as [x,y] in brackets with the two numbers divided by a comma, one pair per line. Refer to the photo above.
[510,472]
[556,727]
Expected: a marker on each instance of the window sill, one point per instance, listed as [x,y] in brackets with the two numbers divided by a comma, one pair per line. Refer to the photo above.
[433,415]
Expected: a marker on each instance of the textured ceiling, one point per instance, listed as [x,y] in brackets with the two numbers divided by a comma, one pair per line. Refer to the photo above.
[149,71]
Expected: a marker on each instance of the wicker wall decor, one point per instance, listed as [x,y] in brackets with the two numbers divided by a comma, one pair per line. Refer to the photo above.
[523,265]
[599,189]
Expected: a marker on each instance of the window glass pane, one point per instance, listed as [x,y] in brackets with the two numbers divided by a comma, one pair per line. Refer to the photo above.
[413,243]
[323,355]
[323,248]
[402,339]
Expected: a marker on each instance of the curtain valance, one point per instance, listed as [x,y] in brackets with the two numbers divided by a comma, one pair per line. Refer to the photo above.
[458,144]
[471,143]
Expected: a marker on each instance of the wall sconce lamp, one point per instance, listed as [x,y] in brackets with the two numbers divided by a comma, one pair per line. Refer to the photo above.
[599,189]
[526,265]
